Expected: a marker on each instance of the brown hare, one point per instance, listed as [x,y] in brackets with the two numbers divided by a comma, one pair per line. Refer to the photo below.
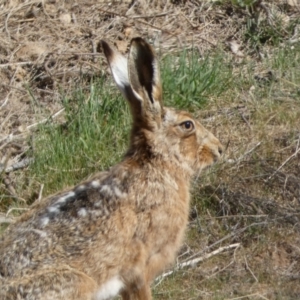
[114,233]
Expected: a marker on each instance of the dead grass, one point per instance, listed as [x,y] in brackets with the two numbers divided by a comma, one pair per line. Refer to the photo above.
[252,197]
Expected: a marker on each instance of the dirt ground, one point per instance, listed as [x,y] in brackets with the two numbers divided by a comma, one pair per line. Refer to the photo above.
[49,46]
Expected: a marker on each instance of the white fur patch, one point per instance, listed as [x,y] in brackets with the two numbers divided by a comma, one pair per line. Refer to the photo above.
[63,198]
[109,289]
[106,189]
[98,204]
[53,209]
[80,188]
[44,221]
[118,192]
[95,184]
[82,212]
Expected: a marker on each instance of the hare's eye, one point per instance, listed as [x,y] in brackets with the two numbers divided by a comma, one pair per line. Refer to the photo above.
[187,125]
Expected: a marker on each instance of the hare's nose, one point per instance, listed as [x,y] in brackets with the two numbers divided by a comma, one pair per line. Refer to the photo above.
[220,149]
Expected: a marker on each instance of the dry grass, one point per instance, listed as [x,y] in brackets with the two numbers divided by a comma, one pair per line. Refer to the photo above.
[246,210]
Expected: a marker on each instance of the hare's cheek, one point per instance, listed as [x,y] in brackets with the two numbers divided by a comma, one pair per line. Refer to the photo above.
[206,157]
[188,148]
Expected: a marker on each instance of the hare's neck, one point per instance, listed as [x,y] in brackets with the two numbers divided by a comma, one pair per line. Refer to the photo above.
[160,166]
[145,148]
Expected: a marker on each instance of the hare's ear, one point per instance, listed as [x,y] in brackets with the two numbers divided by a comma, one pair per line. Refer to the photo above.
[145,81]
[118,65]
[139,81]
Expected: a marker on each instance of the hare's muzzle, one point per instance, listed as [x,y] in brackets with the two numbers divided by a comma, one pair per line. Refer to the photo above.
[216,148]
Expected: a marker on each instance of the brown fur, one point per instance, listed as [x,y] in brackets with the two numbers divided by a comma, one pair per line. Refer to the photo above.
[124,225]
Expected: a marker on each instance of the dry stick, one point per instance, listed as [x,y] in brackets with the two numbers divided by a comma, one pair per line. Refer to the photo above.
[236,216]
[5,101]
[206,40]
[4,219]
[226,237]
[248,152]
[246,121]
[286,161]
[45,120]
[94,47]
[16,208]
[9,187]
[194,261]
[13,87]
[9,138]
[145,23]
[41,192]
[247,296]
[6,24]
[248,268]
[79,53]
[16,64]
[74,18]
[153,16]
[219,271]
[186,18]
[19,165]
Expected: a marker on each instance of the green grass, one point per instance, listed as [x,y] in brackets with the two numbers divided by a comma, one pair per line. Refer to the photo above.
[93,137]
[190,80]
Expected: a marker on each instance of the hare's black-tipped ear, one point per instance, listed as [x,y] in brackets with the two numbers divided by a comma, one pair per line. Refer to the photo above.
[144,77]
[119,69]
[139,81]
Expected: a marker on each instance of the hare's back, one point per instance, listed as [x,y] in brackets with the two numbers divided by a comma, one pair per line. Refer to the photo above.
[70,228]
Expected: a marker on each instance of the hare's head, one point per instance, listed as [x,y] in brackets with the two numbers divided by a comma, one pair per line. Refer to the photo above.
[158,131]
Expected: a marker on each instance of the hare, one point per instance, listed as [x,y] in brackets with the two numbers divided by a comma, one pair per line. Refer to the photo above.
[114,233]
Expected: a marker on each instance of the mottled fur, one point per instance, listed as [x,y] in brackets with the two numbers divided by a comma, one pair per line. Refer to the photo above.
[115,232]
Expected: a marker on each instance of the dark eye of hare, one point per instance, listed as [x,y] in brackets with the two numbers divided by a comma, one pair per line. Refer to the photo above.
[187,125]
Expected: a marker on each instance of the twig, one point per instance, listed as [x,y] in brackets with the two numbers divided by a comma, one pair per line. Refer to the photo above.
[194,261]
[248,152]
[247,296]
[187,19]
[219,271]
[21,63]
[19,165]
[246,121]
[94,48]
[152,16]
[9,186]
[41,193]
[142,22]
[4,219]
[248,268]
[206,40]
[74,19]
[15,208]
[236,216]
[9,138]
[226,237]
[286,161]
[5,100]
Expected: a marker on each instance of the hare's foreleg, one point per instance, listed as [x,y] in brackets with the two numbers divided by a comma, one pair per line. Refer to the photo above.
[143,293]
